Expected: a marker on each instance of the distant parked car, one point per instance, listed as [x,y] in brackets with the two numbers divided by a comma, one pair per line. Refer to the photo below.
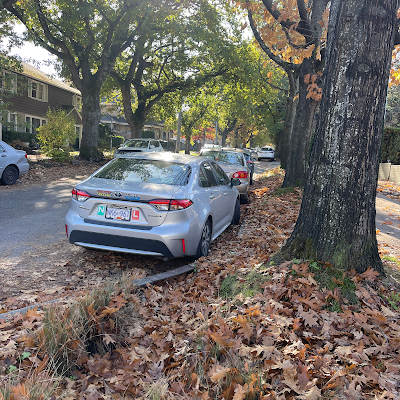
[250,162]
[234,164]
[13,163]
[139,146]
[266,153]
[159,204]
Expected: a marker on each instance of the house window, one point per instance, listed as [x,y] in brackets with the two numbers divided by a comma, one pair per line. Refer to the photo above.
[37,90]
[77,101]
[8,81]
[32,123]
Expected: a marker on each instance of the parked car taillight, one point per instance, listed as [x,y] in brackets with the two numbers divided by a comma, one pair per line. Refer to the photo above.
[80,195]
[170,205]
[240,174]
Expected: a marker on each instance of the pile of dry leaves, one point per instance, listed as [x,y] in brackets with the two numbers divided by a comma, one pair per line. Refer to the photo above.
[234,329]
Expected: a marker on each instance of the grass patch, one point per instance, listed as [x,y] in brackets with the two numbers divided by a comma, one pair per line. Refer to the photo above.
[392,259]
[247,285]
[94,324]
[333,278]
[280,191]
[40,386]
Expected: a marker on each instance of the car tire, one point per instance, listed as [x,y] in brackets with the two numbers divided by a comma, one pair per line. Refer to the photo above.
[205,240]
[244,199]
[236,213]
[251,179]
[259,159]
[10,175]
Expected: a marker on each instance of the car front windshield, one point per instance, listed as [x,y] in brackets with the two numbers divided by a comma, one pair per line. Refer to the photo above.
[139,144]
[146,171]
[225,157]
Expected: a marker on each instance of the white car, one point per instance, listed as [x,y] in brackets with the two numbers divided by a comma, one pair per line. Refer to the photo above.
[139,146]
[266,153]
[13,163]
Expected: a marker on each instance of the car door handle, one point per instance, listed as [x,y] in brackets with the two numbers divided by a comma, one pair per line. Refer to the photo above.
[225,194]
[211,196]
[4,155]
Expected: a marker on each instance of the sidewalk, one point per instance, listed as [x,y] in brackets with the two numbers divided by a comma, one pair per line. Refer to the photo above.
[388,223]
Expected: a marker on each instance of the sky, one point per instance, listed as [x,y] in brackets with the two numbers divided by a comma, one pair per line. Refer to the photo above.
[34,55]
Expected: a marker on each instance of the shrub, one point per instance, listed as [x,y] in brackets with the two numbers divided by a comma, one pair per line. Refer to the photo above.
[391,146]
[57,135]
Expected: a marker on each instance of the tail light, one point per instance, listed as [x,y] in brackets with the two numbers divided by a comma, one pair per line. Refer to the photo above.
[240,174]
[26,156]
[66,229]
[170,205]
[80,195]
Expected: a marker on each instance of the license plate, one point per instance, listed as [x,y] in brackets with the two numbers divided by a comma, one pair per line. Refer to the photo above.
[122,214]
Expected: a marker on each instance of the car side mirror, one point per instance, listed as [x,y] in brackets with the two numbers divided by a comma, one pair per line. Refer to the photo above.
[235,182]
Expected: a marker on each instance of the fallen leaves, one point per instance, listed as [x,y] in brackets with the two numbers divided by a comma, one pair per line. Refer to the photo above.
[280,342]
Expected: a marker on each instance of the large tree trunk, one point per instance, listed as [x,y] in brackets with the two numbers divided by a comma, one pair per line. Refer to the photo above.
[337,217]
[91,114]
[297,155]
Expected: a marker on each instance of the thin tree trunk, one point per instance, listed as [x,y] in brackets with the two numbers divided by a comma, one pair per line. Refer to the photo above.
[286,134]
[302,127]
[336,223]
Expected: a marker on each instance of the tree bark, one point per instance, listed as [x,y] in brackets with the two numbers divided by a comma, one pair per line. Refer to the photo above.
[283,145]
[298,151]
[336,223]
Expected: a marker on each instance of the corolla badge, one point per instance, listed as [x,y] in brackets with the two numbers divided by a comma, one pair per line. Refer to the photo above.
[132,197]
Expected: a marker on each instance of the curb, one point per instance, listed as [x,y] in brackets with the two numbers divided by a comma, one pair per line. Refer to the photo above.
[140,283]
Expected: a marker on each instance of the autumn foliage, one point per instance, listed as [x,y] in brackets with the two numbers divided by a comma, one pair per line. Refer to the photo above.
[236,328]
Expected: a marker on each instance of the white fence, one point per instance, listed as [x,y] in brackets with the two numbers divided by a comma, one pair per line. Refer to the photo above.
[389,172]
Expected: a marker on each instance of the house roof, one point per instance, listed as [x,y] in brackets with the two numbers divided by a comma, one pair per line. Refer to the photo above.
[33,72]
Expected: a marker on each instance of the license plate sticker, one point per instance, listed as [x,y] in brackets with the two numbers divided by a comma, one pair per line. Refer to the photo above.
[135,214]
[118,213]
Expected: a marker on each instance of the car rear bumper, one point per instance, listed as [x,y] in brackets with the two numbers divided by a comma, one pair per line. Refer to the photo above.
[23,168]
[163,240]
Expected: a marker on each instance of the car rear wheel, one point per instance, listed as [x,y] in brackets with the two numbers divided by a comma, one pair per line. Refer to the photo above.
[236,213]
[205,240]
[10,175]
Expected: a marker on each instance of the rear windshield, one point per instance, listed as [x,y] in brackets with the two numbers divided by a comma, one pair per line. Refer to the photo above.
[224,157]
[267,149]
[141,144]
[146,171]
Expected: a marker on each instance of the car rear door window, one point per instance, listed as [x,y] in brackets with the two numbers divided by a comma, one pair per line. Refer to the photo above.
[221,176]
[206,176]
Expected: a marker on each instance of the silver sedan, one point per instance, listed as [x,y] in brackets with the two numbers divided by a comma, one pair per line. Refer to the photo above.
[13,163]
[234,164]
[160,204]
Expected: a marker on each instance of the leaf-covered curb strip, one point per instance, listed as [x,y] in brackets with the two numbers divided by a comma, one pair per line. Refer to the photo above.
[282,343]
[139,283]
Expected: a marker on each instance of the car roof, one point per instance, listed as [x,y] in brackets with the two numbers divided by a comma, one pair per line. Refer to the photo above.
[164,156]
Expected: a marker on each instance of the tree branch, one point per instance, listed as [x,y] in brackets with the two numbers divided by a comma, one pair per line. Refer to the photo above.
[265,48]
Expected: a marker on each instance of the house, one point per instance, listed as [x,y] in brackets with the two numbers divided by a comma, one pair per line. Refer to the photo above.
[32,93]
[112,117]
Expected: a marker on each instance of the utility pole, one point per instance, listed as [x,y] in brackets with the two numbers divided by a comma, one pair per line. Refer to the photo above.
[178,133]
[216,132]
